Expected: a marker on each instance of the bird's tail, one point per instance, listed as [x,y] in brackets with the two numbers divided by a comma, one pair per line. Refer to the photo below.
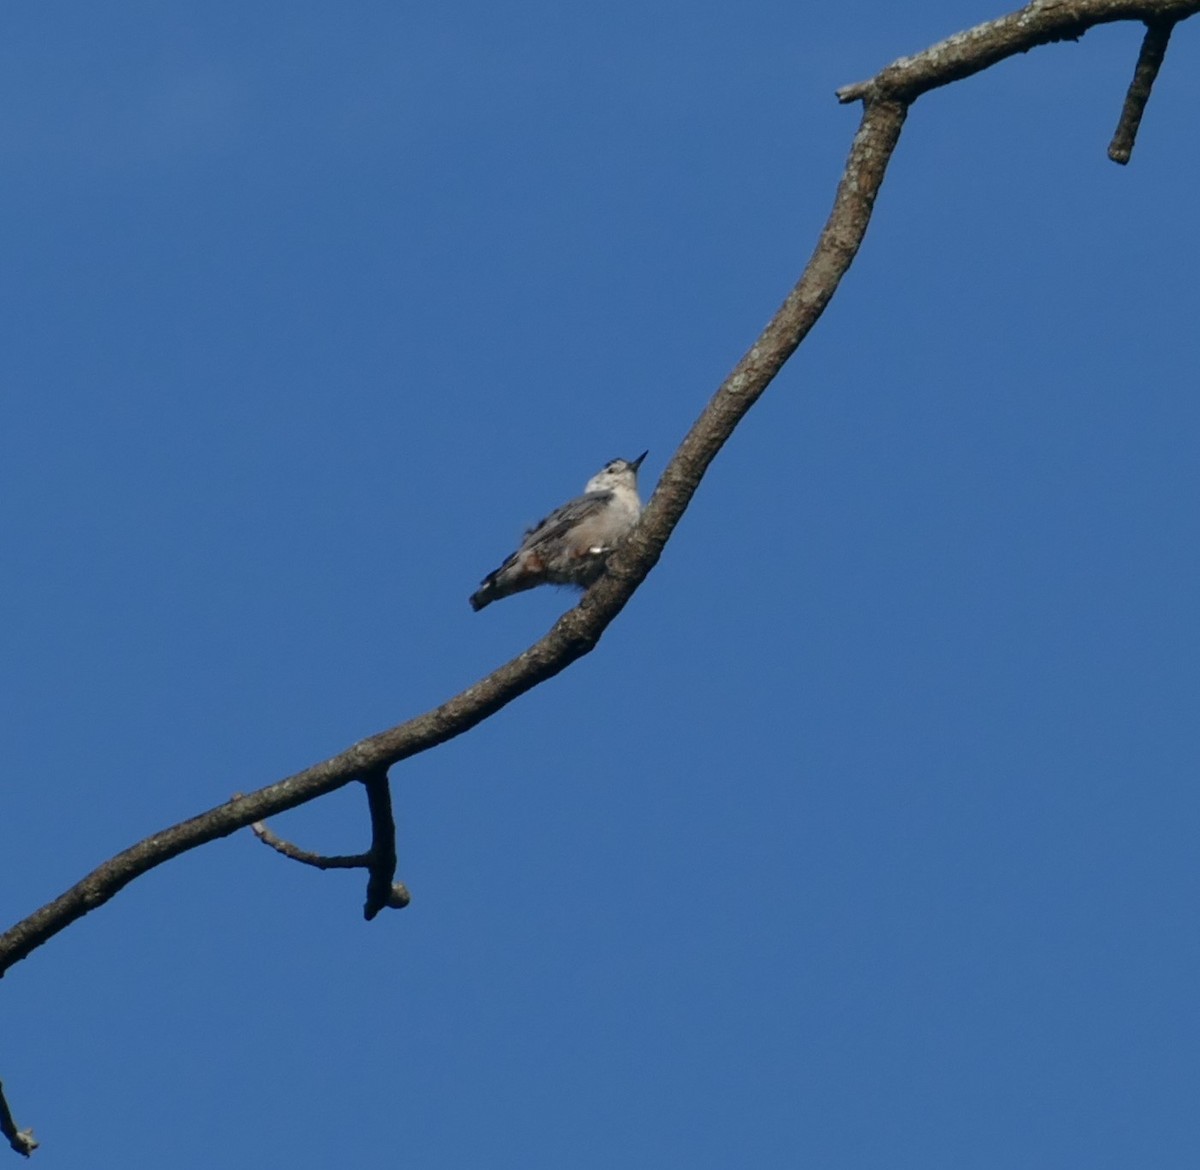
[504,582]
[486,593]
[497,584]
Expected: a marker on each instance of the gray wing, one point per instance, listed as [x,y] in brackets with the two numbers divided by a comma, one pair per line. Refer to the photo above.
[563,519]
[545,562]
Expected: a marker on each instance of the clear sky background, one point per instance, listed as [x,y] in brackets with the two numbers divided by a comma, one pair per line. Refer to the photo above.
[868,835]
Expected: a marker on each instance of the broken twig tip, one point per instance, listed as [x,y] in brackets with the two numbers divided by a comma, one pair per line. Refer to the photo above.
[1150,59]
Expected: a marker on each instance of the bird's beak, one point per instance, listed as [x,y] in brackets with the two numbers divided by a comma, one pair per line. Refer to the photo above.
[638,461]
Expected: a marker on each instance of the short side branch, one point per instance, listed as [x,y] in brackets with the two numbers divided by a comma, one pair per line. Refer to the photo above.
[1150,59]
[306,857]
[383,892]
[21,1140]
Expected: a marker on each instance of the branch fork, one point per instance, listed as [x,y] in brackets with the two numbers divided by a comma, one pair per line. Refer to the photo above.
[383,892]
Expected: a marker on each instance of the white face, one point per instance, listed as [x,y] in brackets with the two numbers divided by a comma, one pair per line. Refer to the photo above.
[615,474]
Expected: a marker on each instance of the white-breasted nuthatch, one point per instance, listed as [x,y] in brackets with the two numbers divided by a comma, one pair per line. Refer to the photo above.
[571,546]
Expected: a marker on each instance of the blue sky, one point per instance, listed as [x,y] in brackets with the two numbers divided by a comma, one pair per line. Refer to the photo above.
[866,837]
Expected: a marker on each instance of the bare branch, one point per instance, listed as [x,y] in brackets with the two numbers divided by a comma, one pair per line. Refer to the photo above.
[978,48]
[577,631]
[1150,59]
[304,856]
[886,98]
[382,892]
[21,1140]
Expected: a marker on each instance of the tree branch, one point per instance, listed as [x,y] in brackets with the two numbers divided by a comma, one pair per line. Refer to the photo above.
[577,632]
[885,98]
[305,856]
[21,1140]
[382,892]
[1039,23]
[1150,59]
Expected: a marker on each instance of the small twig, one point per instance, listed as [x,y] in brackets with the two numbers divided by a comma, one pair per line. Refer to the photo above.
[1150,58]
[382,891]
[304,856]
[21,1140]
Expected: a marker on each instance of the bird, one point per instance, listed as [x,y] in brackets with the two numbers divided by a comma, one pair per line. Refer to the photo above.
[571,546]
